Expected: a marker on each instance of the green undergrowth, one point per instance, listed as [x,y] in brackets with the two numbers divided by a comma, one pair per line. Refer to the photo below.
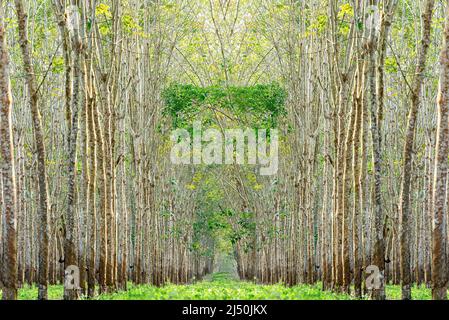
[55,292]
[421,293]
[221,286]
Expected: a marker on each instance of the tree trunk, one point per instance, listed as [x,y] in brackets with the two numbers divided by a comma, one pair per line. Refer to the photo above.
[43,214]
[70,247]
[439,229]
[379,243]
[404,205]
[9,230]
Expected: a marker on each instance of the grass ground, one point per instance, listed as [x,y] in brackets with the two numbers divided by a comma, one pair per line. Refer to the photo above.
[222,287]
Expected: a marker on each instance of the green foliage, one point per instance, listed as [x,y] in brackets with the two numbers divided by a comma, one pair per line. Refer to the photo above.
[346,10]
[222,287]
[262,105]
[104,10]
[345,15]
[55,292]
[391,65]
[319,24]
[418,293]
[129,24]
[57,65]
[104,16]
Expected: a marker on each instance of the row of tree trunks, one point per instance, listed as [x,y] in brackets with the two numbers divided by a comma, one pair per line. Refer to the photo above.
[43,213]
[9,201]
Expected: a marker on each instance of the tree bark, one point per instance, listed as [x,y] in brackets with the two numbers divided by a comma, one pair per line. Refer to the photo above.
[404,204]
[378,255]
[9,230]
[439,212]
[43,214]
[70,247]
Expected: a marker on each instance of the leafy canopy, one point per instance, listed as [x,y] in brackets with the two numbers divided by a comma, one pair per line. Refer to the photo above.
[259,105]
